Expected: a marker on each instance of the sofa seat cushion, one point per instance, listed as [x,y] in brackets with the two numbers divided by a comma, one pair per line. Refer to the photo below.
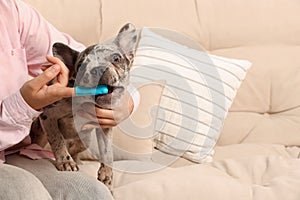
[191,182]
[255,178]
[240,171]
[270,177]
[267,106]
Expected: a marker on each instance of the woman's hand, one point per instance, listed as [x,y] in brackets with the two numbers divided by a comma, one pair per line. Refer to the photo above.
[107,118]
[36,92]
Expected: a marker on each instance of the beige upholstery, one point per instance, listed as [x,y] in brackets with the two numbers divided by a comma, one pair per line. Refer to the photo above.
[81,20]
[266,108]
[234,23]
[168,14]
[257,153]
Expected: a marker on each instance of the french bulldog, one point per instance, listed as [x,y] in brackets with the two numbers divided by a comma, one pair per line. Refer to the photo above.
[101,64]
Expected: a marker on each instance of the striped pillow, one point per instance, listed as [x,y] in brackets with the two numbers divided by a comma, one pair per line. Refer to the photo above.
[199,90]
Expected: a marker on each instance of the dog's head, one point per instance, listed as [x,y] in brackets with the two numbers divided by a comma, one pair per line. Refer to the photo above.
[102,64]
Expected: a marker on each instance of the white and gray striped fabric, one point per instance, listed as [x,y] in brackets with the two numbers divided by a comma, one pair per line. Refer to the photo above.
[199,90]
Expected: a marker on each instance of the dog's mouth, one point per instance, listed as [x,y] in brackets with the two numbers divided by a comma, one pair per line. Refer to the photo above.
[111,90]
[111,98]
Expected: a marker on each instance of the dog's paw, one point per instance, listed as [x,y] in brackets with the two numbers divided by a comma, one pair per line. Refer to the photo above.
[66,164]
[105,175]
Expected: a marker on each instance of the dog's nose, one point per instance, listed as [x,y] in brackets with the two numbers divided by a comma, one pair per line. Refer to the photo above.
[98,71]
[86,80]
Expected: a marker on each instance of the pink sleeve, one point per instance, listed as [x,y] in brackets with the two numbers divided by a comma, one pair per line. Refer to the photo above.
[38,36]
[15,120]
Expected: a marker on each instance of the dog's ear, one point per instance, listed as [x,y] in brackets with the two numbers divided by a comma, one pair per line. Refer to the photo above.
[66,55]
[127,40]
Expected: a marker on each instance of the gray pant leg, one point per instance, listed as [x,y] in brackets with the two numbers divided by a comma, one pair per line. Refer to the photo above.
[19,184]
[63,185]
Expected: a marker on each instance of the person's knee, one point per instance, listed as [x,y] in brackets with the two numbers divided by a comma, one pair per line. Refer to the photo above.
[62,184]
[75,185]
[17,183]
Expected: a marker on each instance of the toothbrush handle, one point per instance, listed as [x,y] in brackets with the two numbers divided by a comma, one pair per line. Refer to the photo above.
[83,91]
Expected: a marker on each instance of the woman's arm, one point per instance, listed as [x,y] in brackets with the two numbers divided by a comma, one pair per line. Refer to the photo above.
[28,31]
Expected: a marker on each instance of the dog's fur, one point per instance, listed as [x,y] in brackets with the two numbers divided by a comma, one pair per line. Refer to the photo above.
[101,64]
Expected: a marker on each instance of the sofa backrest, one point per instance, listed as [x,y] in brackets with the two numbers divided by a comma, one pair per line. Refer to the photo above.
[81,20]
[234,23]
[216,24]
[178,15]
[267,33]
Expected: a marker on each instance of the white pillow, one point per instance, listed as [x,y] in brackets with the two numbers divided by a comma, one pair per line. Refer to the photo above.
[199,90]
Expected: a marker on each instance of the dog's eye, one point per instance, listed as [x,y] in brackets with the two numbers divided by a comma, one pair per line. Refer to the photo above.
[116,58]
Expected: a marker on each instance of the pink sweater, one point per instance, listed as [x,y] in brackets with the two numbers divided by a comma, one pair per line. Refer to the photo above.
[26,38]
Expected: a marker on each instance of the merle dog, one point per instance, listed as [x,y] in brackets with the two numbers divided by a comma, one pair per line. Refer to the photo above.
[100,64]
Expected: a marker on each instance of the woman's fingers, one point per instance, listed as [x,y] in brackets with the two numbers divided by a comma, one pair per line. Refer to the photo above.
[63,77]
[41,80]
[100,120]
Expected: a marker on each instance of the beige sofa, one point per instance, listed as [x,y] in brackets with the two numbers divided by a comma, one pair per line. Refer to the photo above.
[257,154]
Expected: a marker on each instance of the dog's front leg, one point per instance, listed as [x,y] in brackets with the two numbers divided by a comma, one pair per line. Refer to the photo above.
[105,174]
[63,160]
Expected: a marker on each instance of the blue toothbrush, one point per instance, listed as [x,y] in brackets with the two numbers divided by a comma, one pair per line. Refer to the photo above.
[83,91]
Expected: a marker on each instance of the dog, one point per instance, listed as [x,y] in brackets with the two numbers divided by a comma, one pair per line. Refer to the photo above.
[101,64]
